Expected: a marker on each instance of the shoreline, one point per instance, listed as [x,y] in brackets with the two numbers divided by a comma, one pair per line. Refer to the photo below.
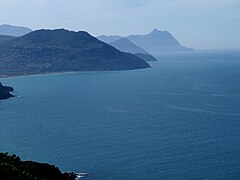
[6,77]
[3,77]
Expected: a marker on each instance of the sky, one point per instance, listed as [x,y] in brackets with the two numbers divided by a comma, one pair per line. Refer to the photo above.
[199,24]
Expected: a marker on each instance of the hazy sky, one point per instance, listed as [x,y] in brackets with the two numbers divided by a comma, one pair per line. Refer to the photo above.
[195,23]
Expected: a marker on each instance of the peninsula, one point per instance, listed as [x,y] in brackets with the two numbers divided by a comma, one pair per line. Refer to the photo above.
[52,51]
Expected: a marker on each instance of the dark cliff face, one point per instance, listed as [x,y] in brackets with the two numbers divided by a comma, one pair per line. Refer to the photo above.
[46,51]
[5,92]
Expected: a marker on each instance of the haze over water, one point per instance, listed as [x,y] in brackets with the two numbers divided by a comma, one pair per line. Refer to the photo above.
[177,120]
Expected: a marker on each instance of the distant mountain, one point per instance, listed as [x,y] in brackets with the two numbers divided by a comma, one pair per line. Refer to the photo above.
[146,57]
[5,92]
[109,39]
[16,31]
[157,42]
[125,45]
[46,51]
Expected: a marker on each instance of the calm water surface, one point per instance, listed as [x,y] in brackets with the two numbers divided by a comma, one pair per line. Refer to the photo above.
[177,120]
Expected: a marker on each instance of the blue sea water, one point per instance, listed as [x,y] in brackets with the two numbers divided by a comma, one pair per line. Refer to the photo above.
[177,120]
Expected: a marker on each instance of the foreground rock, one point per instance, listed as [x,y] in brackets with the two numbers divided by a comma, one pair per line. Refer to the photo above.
[5,92]
[12,168]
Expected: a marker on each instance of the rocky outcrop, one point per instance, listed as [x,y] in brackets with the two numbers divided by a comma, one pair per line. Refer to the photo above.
[5,92]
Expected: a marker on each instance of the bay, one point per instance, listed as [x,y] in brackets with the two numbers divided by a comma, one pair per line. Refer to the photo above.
[178,120]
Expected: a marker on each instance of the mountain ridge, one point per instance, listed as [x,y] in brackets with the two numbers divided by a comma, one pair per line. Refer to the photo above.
[109,39]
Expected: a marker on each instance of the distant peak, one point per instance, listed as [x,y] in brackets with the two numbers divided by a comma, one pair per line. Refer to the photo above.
[155,30]
[158,32]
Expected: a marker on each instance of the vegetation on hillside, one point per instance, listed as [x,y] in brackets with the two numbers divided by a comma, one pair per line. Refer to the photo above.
[13,168]
[5,38]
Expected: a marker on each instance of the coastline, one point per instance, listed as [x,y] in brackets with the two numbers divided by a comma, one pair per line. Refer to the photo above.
[3,77]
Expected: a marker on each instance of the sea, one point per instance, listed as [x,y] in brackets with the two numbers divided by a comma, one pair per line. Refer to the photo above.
[179,119]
